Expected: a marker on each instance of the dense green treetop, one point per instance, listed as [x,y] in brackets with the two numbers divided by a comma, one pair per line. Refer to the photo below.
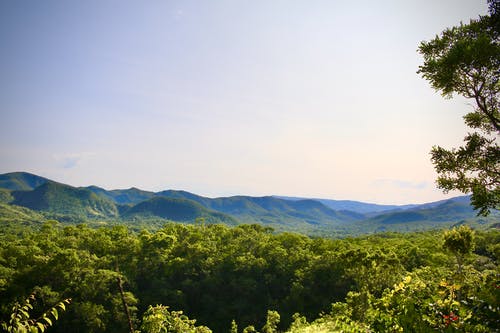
[465,60]
[216,274]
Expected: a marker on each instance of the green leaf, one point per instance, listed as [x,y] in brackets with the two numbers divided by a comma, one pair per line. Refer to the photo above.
[24,313]
[41,326]
[53,311]
[62,306]
[47,319]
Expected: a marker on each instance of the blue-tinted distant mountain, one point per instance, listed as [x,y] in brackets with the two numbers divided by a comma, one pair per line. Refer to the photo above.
[271,210]
[354,206]
[21,181]
[464,200]
[432,215]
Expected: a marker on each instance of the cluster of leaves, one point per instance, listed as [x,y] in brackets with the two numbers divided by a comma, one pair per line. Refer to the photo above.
[21,318]
[229,276]
[465,60]
[446,299]
[159,319]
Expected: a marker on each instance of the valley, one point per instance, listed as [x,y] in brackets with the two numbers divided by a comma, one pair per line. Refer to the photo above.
[309,216]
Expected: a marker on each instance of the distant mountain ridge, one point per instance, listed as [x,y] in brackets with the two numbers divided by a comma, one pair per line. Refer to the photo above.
[282,213]
[268,209]
[123,197]
[356,206]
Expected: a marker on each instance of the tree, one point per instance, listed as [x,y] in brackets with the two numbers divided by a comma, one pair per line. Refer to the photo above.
[460,242]
[273,319]
[158,319]
[465,60]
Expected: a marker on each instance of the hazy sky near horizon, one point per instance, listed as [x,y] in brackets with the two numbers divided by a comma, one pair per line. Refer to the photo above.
[302,98]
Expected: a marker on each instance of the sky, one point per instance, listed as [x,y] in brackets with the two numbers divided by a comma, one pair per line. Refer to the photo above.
[305,98]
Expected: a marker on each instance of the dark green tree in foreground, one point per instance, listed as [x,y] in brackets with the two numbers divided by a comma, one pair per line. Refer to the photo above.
[465,60]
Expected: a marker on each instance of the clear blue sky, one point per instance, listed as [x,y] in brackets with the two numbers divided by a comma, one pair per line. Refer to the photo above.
[305,98]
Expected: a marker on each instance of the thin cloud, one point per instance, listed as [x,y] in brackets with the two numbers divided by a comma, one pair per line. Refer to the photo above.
[401,184]
[178,14]
[70,161]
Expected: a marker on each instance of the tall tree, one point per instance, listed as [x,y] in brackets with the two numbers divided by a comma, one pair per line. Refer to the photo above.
[465,60]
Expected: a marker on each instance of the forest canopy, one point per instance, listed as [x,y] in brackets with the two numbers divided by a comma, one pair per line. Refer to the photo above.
[227,277]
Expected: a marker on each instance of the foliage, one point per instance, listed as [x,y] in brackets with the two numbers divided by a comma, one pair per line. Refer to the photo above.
[21,321]
[158,319]
[5,196]
[218,274]
[459,240]
[272,321]
[430,298]
[334,322]
[18,215]
[466,60]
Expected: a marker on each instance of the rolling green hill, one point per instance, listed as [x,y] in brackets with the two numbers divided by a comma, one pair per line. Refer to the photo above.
[271,210]
[63,199]
[450,210]
[13,213]
[5,196]
[21,181]
[174,209]
[441,214]
[310,216]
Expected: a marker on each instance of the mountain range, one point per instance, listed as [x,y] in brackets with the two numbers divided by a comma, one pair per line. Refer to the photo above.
[312,216]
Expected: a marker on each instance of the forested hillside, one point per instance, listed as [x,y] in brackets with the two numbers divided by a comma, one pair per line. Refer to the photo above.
[144,209]
[173,261]
[21,181]
[216,274]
